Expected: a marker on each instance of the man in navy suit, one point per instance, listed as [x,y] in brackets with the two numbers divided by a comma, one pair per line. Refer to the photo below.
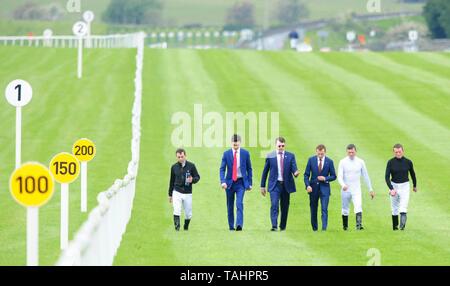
[236,162]
[282,167]
[318,174]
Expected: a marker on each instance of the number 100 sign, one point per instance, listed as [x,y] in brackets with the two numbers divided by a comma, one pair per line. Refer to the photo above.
[32,185]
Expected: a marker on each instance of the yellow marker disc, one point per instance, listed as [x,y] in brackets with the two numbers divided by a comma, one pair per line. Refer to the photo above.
[65,168]
[31,185]
[84,149]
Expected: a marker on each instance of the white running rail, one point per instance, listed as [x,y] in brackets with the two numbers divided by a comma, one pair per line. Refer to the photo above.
[94,41]
[98,239]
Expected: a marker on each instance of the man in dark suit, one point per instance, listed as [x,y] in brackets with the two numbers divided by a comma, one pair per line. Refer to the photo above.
[282,167]
[318,174]
[238,178]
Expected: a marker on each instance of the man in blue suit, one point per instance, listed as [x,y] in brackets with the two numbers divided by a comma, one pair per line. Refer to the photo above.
[236,162]
[318,174]
[282,167]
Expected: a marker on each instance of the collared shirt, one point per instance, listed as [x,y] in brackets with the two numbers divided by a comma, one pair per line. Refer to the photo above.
[238,159]
[318,161]
[350,171]
[280,178]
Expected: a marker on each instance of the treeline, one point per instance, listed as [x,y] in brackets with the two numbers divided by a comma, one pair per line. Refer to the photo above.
[437,16]
[33,11]
[239,16]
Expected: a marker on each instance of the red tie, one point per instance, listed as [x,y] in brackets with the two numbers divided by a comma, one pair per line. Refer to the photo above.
[281,164]
[320,165]
[235,167]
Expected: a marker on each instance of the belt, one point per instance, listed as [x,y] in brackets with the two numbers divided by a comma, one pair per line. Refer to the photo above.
[280,182]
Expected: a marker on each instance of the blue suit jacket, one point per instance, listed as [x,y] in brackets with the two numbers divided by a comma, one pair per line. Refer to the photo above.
[290,166]
[312,172]
[245,166]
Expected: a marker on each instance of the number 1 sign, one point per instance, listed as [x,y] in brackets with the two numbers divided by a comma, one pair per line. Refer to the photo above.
[18,93]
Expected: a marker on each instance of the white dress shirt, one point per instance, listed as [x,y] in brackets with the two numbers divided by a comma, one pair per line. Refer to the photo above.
[350,171]
[280,178]
[238,159]
[318,162]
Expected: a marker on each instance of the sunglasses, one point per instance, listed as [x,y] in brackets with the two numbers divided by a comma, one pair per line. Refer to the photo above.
[281,146]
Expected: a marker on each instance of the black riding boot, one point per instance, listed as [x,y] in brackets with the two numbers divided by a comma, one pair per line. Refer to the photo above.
[359,221]
[176,222]
[395,222]
[186,224]
[345,222]
[402,221]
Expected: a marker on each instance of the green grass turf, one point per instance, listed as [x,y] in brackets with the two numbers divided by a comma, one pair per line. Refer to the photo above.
[62,110]
[372,100]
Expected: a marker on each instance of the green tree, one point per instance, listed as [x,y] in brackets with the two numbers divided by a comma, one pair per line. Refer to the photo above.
[133,12]
[290,12]
[437,16]
[240,16]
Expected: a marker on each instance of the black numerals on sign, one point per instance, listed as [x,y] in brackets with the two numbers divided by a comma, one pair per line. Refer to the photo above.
[30,184]
[64,168]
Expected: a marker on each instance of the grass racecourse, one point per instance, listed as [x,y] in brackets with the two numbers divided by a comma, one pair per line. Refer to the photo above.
[370,99]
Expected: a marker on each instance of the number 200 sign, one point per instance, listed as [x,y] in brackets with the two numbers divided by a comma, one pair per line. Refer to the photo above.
[84,150]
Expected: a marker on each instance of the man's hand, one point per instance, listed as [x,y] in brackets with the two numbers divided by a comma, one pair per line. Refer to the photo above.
[296,173]
[249,188]
[189,179]
[224,186]
[321,178]
[309,189]
[415,189]
[170,200]
[263,192]
[345,188]
[372,194]
[393,193]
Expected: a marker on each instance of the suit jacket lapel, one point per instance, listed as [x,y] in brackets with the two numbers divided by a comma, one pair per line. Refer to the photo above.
[284,163]
[316,165]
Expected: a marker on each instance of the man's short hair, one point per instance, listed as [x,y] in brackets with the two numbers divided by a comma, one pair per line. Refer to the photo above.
[398,146]
[321,147]
[351,146]
[180,150]
[235,138]
[280,139]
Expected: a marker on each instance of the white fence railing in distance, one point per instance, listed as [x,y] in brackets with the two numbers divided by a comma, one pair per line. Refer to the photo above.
[93,41]
[98,239]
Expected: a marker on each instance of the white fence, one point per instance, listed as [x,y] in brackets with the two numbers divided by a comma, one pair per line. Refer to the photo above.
[108,41]
[98,239]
